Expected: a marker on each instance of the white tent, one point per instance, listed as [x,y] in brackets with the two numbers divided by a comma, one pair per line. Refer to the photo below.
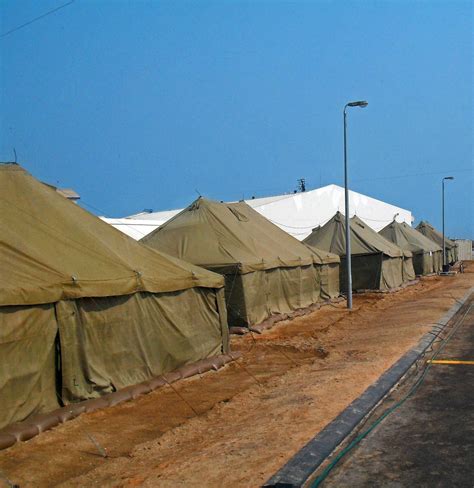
[295,213]
[299,213]
[135,228]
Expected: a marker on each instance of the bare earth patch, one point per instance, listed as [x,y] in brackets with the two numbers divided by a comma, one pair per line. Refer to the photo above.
[237,426]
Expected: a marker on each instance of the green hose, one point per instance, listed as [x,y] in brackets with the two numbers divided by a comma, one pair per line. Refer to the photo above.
[317,482]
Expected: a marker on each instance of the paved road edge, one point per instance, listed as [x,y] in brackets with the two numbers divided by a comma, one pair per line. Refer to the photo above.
[305,462]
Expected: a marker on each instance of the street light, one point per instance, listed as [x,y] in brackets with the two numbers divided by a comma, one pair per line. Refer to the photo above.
[444,244]
[361,104]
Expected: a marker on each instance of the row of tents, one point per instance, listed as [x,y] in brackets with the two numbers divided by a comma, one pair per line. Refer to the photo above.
[85,310]
[236,241]
[386,259]
[266,270]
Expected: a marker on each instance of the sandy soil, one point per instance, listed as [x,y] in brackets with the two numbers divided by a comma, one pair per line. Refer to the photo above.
[237,426]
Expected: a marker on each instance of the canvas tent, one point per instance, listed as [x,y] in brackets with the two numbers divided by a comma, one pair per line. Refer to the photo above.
[84,309]
[377,264]
[429,231]
[427,255]
[266,270]
[296,213]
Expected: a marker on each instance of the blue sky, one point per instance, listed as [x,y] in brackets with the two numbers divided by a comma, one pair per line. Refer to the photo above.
[142,104]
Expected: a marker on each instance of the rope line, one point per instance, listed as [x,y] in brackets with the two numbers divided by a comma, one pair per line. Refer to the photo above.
[11,31]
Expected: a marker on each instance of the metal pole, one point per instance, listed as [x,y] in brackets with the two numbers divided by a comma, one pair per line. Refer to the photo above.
[442,212]
[348,230]
[362,104]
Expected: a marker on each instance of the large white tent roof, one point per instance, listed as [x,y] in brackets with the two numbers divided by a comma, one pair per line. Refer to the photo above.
[299,213]
[296,213]
[136,228]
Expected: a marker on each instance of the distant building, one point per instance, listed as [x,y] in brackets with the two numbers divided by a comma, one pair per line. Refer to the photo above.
[465,248]
[296,213]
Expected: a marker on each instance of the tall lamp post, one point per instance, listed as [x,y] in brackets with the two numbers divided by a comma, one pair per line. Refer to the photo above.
[362,104]
[444,244]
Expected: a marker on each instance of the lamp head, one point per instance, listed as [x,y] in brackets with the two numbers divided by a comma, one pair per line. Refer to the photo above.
[360,103]
[448,178]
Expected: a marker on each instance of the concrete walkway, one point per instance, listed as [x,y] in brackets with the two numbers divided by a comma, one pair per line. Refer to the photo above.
[429,440]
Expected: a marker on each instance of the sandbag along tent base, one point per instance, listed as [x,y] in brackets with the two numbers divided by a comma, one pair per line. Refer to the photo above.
[437,237]
[377,264]
[427,255]
[266,270]
[86,310]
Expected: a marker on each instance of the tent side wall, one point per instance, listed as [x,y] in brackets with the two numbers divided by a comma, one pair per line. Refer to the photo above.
[330,283]
[366,272]
[293,288]
[27,351]
[392,272]
[253,297]
[282,289]
[408,270]
[438,261]
[427,262]
[235,300]
[375,272]
[104,344]
[422,263]
[451,255]
[113,342]
[247,298]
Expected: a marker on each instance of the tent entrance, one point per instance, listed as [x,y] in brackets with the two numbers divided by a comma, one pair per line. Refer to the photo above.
[366,272]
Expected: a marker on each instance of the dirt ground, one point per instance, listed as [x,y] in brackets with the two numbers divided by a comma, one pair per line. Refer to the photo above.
[237,426]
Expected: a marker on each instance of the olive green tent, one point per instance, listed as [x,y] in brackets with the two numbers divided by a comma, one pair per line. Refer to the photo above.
[86,310]
[427,255]
[437,237]
[377,264]
[266,270]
